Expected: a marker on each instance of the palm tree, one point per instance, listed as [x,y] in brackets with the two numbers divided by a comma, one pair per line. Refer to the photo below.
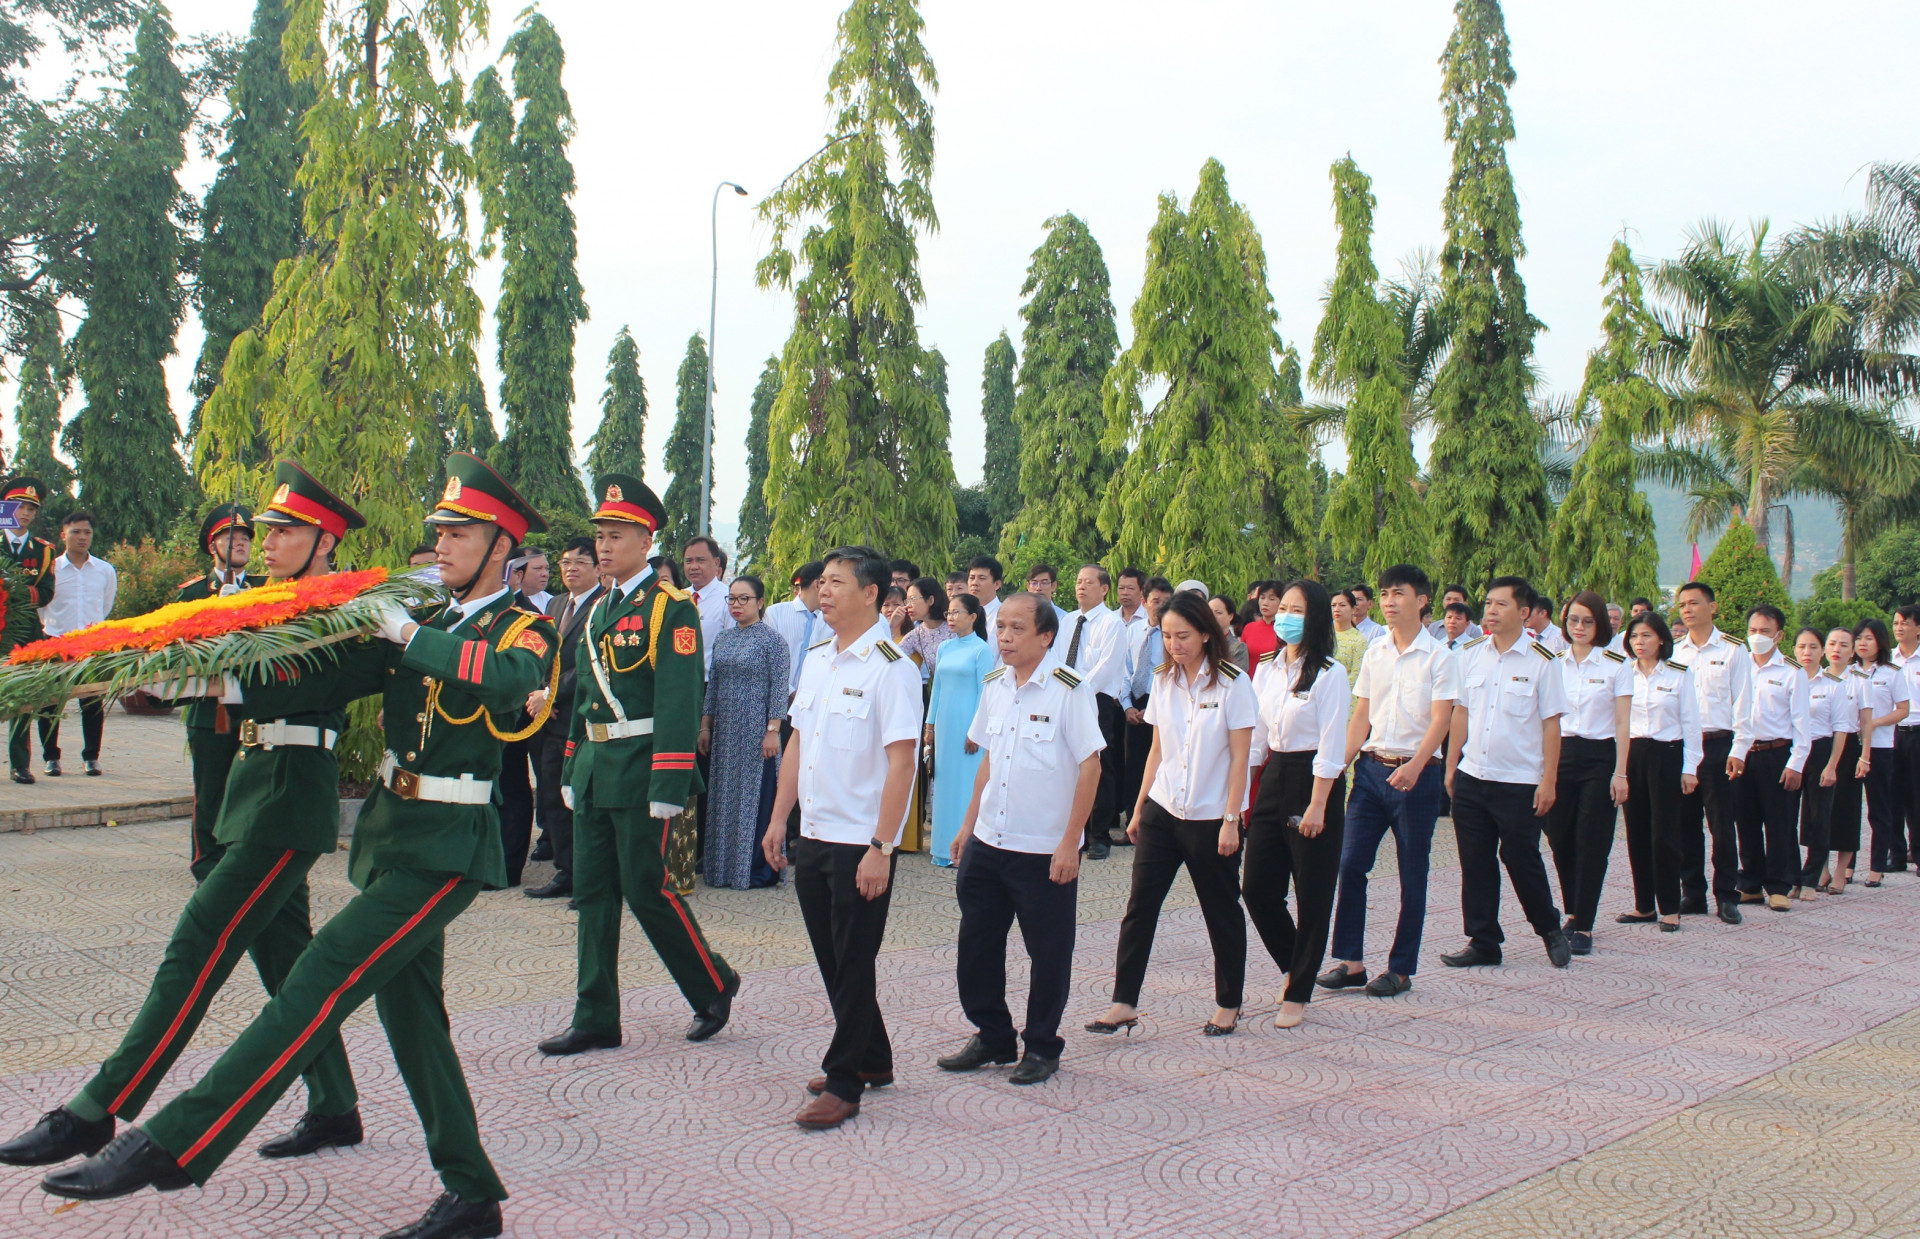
[1875,259]
[1873,489]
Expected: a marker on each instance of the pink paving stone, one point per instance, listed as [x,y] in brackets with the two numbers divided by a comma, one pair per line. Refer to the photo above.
[1371,1118]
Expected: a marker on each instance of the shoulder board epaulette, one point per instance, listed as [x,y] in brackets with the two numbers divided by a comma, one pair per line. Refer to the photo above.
[1828,672]
[528,611]
[1544,652]
[1327,665]
[1066,677]
[1164,667]
[1676,666]
[1268,657]
[191,581]
[673,591]
[1615,655]
[993,675]
[888,650]
[1862,672]
[1476,641]
[1229,669]
[822,641]
[1739,641]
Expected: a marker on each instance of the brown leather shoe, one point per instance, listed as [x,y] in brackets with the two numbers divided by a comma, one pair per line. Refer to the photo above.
[872,1079]
[825,1112]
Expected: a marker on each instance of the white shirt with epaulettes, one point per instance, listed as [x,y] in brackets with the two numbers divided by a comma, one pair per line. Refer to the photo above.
[1035,735]
[1508,696]
[1723,684]
[1666,708]
[1780,708]
[1592,685]
[1880,689]
[1827,700]
[1192,721]
[1295,722]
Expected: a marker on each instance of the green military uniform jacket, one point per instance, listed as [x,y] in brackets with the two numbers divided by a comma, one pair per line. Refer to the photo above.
[289,796]
[649,646]
[203,713]
[35,557]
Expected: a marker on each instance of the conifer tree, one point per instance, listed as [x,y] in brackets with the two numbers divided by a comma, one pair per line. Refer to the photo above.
[857,438]
[619,444]
[470,420]
[1001,477]
[131,475]
[681,460]
[1603,533]
[1488,502]
[1216,442]
[1067,348]
[376,316]
[526,184]
[1375,514]
[251,217]
[36,412]
[756,522]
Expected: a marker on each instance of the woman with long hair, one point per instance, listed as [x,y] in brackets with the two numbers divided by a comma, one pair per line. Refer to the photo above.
[1826,696]
[957,676]
[1202,710]
[1843,815]
[1229,621]
[1592,782]
[1663,760]
[1882,693]
[1299,823]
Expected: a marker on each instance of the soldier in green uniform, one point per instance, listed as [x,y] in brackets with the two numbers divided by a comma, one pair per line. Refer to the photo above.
[213,739]
[280,811]
[427,843]
[629,769]
[34,556]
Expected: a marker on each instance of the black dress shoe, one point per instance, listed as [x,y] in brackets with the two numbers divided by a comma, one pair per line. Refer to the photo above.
[1694,906]
[453,1218]
[1338,977]
[130,1163]
[714,1018]
[22,776]
[1559,950]
[975,1054]
[1033,1069]
[58,1136]
[1582,943]
[574,1041]
[1730,912]
[1389,985]
[315,1132]
[562,884]
[1636,918]
[1474,956]
[1099,847]
[542,849]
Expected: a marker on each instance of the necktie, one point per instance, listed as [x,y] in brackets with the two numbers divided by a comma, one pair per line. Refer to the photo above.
[566,613]
[1073,646]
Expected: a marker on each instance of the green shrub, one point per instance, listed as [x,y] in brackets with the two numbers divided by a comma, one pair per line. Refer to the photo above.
[1888,571]
[1742,577]
[150,574]
[1823,615]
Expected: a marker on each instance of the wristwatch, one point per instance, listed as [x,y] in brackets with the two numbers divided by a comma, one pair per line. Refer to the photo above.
[1232,818]
[886,849]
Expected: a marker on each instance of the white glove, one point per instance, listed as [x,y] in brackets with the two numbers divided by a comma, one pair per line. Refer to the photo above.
[662,810]
[392,618]
[566,797]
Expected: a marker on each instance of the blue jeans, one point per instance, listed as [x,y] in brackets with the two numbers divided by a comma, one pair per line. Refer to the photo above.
[1375,809]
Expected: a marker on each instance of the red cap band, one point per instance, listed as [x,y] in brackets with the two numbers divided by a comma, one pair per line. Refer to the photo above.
[620,510]
[25,492]
[302,508]
[481,506]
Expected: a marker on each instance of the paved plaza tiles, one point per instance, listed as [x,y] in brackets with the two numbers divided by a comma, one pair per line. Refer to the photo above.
[1759,1080]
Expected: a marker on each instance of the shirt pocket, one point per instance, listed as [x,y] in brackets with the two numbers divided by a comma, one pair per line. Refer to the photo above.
[847,722]
[1517,696]
[1036,745]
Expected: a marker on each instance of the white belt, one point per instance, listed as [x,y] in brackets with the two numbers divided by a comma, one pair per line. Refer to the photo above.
[281,734]
[410,786]
[600,733]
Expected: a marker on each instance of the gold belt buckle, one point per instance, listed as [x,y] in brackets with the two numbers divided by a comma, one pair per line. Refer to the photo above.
[249,732]
[404,784]
[597,733]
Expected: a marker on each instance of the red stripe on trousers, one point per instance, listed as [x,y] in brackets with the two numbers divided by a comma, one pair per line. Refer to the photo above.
[313,1025]
[686,922]
[200,982]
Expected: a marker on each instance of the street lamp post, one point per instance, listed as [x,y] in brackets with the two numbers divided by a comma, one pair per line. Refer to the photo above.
[713,307]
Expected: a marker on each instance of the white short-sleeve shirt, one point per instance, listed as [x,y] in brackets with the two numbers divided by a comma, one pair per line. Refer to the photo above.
[1035,736]
[1880,689]
[1666,708]
[1311,722]
[1591,688]
[1400,687]
[849,706]
[1779,709]
[1509,697]
[1192,720]
[1827,700]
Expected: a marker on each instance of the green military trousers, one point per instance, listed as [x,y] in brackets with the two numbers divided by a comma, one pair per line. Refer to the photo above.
[623,853]
[212,753]
[254,900]
[387,944]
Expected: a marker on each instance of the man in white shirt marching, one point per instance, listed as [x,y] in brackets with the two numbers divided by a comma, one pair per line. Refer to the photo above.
[1906,743]
[849,766]
[84,596]
[1767,795]
[1093,646]
[1503,762]
[1018,848]
[1723,685]
[1403,703]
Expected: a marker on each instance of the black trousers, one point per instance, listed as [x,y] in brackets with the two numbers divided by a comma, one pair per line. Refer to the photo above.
[1906,771]
[1106,800]
[516,806]
[1138,743]
[1165,844]
[20,736]
[995,887]
[1494,826]
[1713,802]
[1883,815]
[93,717]
[1816,814]
[845,928]
[1767,813]
[1843,832]
[1656,819]
[1277,853]
[556,820]
[1580,826]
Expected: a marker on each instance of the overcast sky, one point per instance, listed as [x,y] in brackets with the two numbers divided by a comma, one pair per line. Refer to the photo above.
[1637,115]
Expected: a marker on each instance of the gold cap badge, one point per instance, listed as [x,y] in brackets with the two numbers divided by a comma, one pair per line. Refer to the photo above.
[453,489]
[280,496]
[614,495]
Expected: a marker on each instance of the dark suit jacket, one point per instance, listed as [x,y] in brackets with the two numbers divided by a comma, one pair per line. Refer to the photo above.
[562,716]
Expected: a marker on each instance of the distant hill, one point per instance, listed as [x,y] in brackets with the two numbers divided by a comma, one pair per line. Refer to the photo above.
[1816,537]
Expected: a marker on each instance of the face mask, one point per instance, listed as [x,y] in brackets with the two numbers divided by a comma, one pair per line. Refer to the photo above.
[1760,644]
[1290,628]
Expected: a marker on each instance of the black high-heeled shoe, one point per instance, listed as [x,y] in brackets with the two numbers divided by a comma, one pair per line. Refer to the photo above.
[1214,1030]
[1106,1029]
